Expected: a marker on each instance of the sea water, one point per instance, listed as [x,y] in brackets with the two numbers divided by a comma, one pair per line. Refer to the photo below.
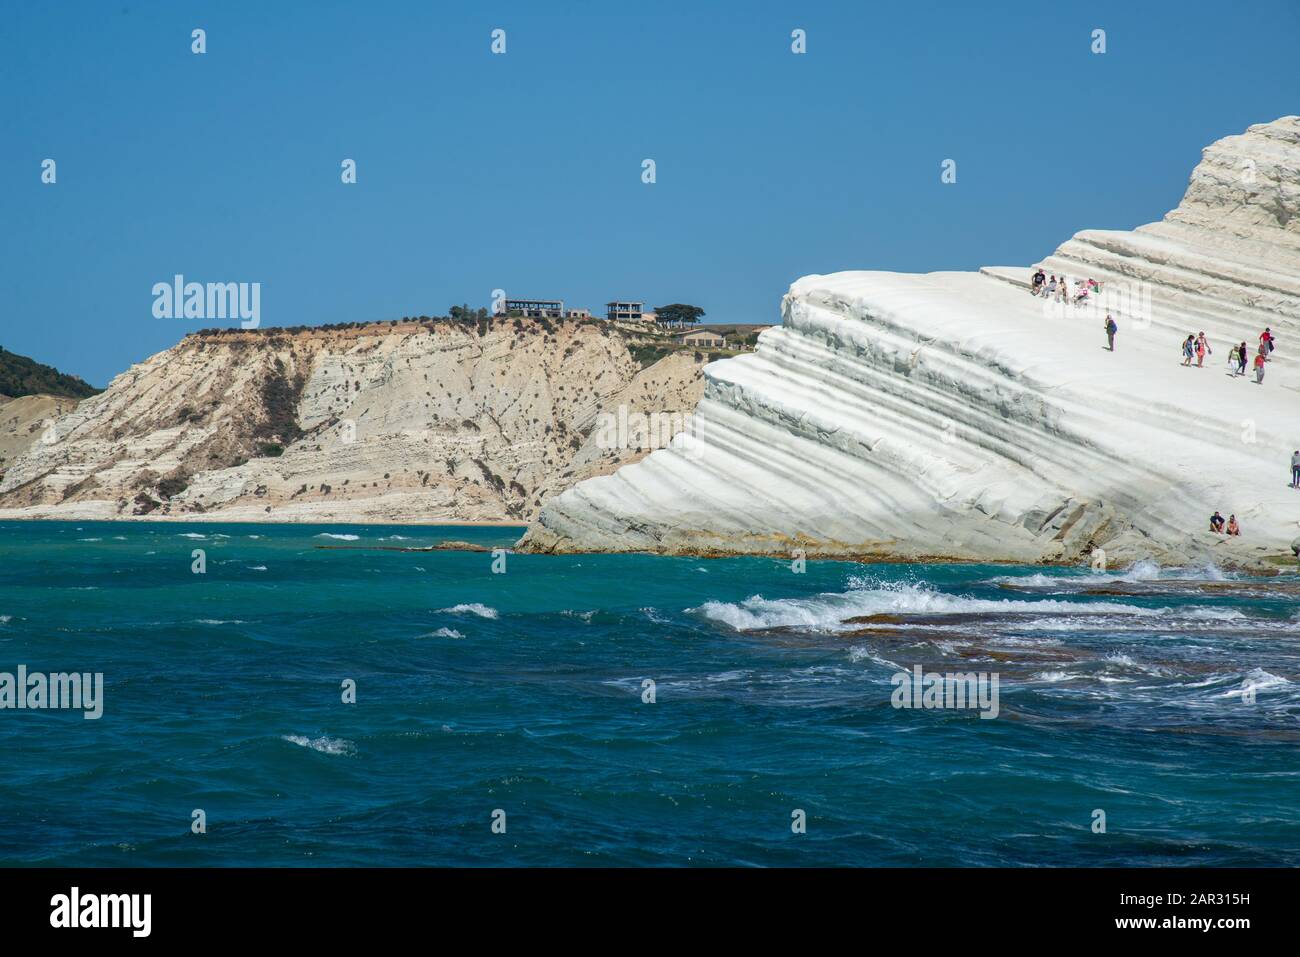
[300,705]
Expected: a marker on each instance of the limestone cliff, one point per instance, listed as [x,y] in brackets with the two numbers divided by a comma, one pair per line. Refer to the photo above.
[954,415]
[420,421]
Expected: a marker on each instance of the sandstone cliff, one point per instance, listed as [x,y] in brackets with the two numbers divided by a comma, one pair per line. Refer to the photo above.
[419,421]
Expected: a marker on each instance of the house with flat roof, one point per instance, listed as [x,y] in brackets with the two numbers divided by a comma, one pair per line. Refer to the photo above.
[625,311]
[536,308]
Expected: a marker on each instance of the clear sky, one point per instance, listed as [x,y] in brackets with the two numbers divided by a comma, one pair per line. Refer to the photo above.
[523,171]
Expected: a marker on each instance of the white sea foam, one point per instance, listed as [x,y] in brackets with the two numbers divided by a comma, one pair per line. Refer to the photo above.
[257,568]
[1141,572]
[219,621]
[445,633]
[395,538]
[1257,679]
[192,535]
[471,608]
[342,537]
[827,611]
[323,744]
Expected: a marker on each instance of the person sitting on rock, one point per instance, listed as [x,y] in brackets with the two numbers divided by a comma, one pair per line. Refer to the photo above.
[1039,279]
[1216,522]
[1051,287]
[1233,527]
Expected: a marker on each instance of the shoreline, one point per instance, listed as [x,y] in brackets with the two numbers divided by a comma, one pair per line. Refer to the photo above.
[212,520]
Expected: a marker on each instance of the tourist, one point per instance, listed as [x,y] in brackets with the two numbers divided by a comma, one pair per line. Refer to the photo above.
[1266,343]
[1241,359]
[1111,329]
[1216,523]
[1189,349]
[1202,350]
[1295,469]
[1039,279]
[1259,369]
[1233,527]
[1051,287]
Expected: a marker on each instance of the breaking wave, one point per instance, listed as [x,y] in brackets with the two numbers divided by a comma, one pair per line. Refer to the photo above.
[323,744]
[471,608]
[828,611]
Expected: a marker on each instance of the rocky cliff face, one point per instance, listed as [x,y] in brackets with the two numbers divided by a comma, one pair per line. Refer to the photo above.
[411,421]
[25,420]
[954,415]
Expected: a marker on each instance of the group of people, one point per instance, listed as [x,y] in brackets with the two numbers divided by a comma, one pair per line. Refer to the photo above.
[1062,289]
[1198,347]
[1217,525]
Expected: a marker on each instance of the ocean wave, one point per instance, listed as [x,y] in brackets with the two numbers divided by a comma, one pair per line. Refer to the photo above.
[220,621]
[191,535]
[340,537]
[257,568]
[444,633]
[1140,572]
[828,611]
[471,608]
[1257,679]
[323,744]
[395,538]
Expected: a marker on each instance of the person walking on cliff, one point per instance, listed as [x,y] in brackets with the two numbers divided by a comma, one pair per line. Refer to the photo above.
[1242,356]
[1189,349]
[1259,369]
[1202,350]
[1266,343]
[1295,469]
[1111,329]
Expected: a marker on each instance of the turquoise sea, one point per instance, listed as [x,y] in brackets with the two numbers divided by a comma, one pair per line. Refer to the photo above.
[1166,699]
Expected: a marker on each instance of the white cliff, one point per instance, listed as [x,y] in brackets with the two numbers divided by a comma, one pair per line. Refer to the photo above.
[954,415]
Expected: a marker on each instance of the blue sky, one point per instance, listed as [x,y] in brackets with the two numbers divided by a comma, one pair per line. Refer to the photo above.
[523,171]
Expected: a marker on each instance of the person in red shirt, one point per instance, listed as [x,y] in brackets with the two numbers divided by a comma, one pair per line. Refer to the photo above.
[1266,343]
[1259,369]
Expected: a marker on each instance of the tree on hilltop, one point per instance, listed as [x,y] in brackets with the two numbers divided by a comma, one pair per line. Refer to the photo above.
[678,313]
